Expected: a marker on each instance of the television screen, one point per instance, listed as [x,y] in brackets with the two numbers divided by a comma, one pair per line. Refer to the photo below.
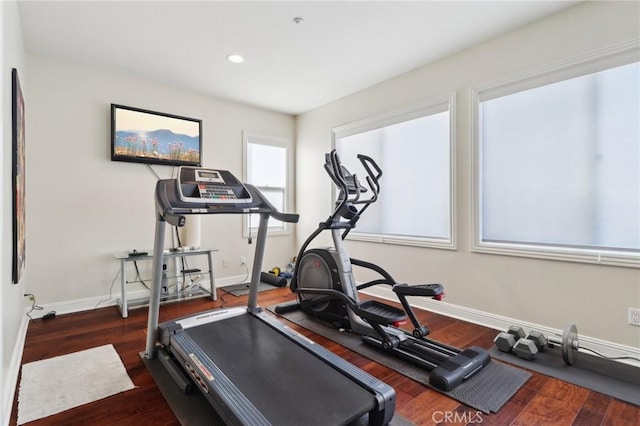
[143,136]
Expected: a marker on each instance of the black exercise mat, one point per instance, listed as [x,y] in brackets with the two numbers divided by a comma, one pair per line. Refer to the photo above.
[609,377]
[243,288]
[195,410]
[487,391]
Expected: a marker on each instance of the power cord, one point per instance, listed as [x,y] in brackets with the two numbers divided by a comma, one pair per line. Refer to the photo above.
[34,307]
[609,357]
[153,171]
[243,280]
[110,291]
[222,300]
[138,277]
[183,261]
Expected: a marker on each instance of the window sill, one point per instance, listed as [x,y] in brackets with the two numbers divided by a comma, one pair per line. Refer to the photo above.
[609,258]
[440,243]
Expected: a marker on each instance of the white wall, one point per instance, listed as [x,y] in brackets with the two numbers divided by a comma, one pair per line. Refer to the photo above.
[83,207]
[13,328]
[547,293]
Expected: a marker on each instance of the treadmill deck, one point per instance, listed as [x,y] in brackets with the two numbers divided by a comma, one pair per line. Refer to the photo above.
[285,382]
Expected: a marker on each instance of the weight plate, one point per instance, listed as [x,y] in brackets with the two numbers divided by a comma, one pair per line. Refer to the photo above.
[569,343]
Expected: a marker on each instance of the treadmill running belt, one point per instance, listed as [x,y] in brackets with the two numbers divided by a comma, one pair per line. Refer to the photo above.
[306,391]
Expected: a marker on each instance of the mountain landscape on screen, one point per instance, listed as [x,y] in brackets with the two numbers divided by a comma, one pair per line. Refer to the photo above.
[161,144]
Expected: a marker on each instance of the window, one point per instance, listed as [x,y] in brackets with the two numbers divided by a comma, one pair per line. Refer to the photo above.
[267,167]
[414,149]
[558,164]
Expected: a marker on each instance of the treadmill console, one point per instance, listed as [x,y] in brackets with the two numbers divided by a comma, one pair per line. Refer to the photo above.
[210,186]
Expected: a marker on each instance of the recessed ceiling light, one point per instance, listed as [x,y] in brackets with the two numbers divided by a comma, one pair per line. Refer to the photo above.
[298,20]
[235,58]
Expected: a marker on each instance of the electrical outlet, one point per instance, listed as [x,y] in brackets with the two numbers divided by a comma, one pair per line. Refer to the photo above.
[634,316]
[243,260]
[225,263]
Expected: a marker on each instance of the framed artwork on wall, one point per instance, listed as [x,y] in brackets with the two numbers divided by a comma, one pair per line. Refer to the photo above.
[18,177]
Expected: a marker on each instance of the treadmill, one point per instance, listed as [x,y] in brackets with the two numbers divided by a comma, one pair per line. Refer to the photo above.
[253,369]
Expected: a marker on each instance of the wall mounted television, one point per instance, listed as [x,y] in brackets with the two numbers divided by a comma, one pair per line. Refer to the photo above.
[142,136]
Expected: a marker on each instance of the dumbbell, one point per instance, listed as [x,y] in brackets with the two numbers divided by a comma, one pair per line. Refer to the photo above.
[506,340]
[514,341]
[528,347]
[569,344]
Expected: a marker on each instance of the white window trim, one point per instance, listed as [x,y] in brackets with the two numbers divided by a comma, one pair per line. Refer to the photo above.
[610,57]
[429,107]
[288,202]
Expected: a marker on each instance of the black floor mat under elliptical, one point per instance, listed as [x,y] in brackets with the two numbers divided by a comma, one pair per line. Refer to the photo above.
[487,391]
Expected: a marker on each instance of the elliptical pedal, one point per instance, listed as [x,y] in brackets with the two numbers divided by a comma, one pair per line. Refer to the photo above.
[379,313]
[425,290]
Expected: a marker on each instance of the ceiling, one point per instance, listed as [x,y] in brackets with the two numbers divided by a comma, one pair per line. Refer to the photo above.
[340,48]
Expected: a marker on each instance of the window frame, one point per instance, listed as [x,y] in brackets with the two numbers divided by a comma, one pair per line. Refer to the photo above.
[250,227]
[431,106]
[599,60]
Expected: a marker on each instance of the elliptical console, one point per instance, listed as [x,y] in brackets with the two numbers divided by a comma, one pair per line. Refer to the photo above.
[324,283]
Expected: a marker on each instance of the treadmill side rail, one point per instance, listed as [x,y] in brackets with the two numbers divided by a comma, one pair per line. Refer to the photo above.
[226,398]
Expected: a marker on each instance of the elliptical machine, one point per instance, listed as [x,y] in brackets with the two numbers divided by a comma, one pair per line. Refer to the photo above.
[326,289]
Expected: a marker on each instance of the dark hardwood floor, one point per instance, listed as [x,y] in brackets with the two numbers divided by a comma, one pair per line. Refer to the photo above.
[542,400]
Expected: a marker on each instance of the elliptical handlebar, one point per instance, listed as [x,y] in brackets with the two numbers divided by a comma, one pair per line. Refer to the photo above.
[329,167]
[368,163]
[348,183]
[351,189]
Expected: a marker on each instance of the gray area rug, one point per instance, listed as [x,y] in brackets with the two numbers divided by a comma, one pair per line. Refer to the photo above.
[487,391]
[609,377]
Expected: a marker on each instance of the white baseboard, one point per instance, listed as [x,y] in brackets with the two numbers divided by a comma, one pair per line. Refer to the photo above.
[11,382]
[502,323]
[86,304]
